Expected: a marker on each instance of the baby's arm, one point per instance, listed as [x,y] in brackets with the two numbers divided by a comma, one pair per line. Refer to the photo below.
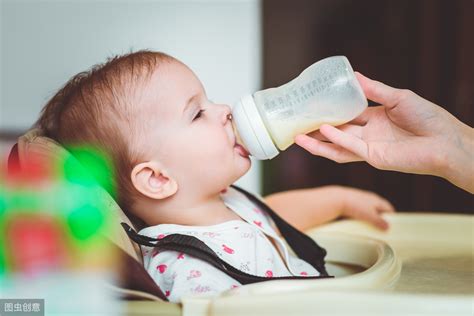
[306,208]
[179,275]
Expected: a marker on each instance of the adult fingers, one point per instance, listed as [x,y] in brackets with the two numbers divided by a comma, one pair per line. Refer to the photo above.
[378,91]
[345,140]
[353,129]
[326,150]
[317,135]
[365,116]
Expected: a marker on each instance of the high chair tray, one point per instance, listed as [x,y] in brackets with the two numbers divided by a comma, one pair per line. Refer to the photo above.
[422,265]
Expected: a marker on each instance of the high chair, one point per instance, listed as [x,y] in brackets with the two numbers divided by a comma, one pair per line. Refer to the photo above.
[360,263]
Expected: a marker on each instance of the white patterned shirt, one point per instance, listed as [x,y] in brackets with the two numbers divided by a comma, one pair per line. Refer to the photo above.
[245,244]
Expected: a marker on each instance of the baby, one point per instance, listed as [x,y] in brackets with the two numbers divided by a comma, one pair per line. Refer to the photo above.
[175,157]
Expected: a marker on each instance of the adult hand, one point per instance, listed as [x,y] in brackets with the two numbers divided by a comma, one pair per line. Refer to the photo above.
[405,133]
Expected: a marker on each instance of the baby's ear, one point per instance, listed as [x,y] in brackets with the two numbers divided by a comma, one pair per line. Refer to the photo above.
[153,181]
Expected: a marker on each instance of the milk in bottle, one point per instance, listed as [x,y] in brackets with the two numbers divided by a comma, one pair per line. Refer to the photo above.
[327,92]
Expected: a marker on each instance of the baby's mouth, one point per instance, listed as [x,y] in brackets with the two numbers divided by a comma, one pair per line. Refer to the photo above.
[242,151]
[239,147]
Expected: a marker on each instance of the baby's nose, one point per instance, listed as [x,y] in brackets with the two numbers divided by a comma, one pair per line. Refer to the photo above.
[226,113]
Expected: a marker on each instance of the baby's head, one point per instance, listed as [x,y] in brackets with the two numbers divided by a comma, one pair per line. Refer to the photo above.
[149,112]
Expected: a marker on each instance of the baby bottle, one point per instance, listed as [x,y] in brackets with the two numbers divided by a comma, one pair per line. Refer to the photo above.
[327,92]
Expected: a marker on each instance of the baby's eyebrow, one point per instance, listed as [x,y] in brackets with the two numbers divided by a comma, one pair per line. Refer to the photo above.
[190,102]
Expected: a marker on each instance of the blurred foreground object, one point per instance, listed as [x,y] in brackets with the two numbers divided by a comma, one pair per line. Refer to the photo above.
[53,225]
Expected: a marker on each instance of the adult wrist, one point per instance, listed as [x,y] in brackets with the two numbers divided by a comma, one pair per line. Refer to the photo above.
[459,166]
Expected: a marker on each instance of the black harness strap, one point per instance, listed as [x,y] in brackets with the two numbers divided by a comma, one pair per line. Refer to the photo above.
[195,247]
[303,246]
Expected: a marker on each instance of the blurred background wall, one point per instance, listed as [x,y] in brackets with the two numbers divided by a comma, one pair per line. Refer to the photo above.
[44,43]
[424,45]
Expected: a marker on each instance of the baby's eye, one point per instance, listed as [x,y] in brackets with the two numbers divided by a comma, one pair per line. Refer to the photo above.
[198,115]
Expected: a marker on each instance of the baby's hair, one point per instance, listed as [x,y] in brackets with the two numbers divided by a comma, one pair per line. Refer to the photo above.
[97,108]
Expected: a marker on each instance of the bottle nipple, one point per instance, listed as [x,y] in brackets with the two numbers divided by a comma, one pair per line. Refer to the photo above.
[238,140]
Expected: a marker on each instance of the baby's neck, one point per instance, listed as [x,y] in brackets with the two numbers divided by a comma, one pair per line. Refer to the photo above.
[194,212]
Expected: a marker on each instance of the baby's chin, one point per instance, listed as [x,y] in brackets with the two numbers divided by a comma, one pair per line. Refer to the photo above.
[237,170]
[243,170]
[246,163]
